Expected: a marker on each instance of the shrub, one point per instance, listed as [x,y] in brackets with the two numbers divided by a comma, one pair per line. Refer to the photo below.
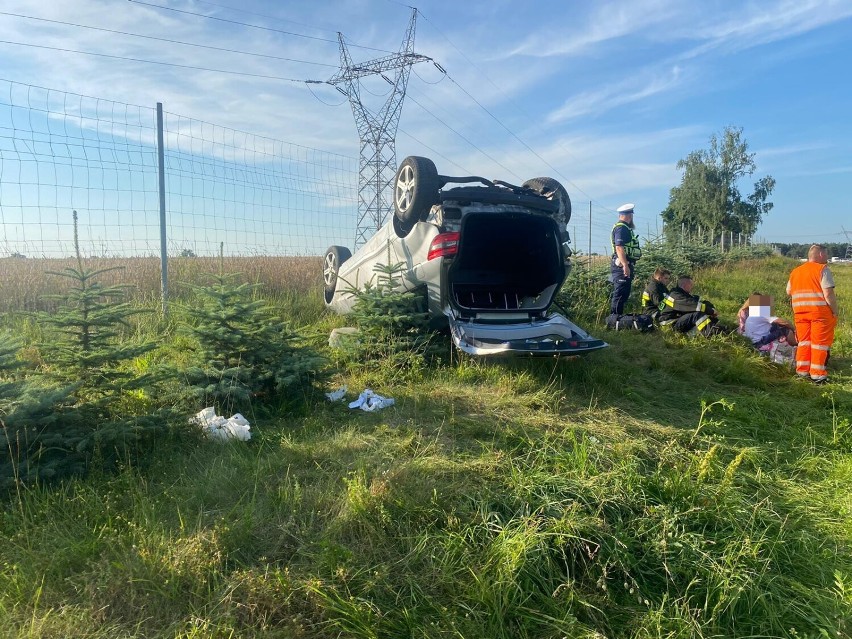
[586,291]
[246,351]
[585,294]
[393,339]
[88,398]
[686,258]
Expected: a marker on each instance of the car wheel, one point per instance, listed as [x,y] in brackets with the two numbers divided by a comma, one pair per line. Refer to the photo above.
[553,190]
[334,257]
[415,191]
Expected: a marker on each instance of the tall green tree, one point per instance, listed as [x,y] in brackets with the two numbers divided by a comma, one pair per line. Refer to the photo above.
[709,200]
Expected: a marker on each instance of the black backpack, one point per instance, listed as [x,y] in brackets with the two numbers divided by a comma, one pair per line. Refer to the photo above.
[641,323]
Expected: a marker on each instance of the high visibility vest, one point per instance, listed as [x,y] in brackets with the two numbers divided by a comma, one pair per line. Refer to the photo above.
[631,249]
[806,290]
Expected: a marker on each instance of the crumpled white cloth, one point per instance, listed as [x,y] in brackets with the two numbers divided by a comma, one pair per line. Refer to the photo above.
[337,395]
[221,429]
[370,401]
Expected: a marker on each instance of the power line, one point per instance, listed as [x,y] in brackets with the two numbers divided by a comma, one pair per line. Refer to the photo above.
[402,4]
[263,15]
[147,37]
[518,138]
[434,111]
[483,74]
[168,64]
[438,81]
[253,26]
[436,152]
[319,99]
[497,162]
[373,93]
[597,223]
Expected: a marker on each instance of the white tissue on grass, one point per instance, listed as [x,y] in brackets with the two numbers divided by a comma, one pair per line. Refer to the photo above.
[221,429]
[339,394]
[370,401]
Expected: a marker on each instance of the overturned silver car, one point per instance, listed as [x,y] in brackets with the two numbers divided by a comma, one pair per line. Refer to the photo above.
[489,258]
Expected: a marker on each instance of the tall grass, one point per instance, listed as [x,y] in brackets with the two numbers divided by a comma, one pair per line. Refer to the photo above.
[664,487]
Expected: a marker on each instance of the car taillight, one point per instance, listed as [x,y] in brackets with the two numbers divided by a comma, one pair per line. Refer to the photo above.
[443,245]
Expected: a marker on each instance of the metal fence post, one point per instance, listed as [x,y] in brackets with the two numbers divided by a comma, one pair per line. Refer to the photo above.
[161,170]
[590,241]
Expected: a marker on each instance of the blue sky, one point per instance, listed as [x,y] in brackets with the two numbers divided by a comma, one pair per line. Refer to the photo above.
[604,96]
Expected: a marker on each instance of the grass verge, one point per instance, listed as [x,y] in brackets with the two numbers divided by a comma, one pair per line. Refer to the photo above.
[664,487]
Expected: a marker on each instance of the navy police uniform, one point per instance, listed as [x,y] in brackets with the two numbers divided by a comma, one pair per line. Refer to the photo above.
[623,235]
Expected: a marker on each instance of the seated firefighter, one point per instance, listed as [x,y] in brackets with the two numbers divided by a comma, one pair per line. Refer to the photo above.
[762,327]
[655,292]
[684,311]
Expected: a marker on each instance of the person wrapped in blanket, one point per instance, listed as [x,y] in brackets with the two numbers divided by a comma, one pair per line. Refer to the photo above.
[683,311]
[769,334]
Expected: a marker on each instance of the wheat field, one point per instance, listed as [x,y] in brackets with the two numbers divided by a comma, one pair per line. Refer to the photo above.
[27,283]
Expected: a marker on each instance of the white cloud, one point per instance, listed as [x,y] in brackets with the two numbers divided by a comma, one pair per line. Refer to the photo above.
[606,22]
[735,26]
[632,89]
[759,24]
[791,150]
[834,170]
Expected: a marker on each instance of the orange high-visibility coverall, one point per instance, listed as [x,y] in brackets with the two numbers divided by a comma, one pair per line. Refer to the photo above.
[814,320]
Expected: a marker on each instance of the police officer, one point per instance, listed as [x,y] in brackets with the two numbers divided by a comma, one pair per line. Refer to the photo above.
[625,252]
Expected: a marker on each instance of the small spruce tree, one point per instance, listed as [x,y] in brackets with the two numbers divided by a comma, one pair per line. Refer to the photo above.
[91,324]
[393,334]
[27,413]
[246,350]
[88,399]
[41,435]
[9,366]
[90,345]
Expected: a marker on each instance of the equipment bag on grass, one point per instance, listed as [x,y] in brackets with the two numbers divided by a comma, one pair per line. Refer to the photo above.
[641,323]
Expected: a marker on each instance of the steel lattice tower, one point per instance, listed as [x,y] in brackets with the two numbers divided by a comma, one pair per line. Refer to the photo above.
[376,130]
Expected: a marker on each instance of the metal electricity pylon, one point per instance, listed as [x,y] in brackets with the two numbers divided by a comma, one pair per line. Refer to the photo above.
[376,129]
[848,255]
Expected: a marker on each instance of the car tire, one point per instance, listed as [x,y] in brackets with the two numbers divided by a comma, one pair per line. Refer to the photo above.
[553,190]
[334,257]
[415,190]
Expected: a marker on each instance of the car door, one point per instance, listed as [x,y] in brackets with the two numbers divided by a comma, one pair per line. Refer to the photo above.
[382,249]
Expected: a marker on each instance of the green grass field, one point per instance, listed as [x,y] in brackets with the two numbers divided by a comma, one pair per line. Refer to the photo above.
[664,487]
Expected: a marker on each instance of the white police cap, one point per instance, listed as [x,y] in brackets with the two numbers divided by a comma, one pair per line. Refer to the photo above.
[626,209]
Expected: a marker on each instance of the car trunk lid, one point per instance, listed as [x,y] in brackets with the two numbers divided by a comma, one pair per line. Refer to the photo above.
[501,283]
[506,263]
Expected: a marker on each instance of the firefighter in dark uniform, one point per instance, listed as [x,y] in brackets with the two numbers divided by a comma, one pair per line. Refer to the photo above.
[625,252]
[655,292]
[684,311]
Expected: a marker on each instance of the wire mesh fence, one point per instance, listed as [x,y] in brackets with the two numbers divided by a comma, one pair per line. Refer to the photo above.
[224,188]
